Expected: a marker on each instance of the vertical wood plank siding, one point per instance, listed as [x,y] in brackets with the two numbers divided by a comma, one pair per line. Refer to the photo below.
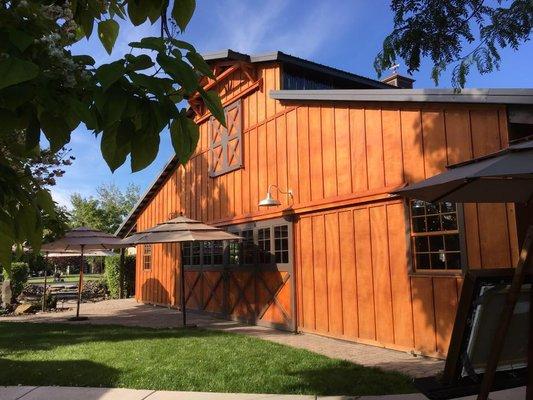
[351,251]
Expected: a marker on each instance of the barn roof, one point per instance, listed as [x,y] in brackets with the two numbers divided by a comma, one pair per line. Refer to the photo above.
[300,63]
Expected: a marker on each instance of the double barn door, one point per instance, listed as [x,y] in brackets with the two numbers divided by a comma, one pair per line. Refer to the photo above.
[251,281]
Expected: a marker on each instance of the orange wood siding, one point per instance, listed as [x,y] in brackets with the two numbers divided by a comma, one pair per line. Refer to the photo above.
[351,251]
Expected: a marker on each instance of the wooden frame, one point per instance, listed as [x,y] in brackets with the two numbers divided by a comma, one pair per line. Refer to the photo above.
[460,231]
[225,143]
[147,257]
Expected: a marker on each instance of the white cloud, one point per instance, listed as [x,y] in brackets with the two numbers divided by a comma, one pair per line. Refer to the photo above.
[268,26]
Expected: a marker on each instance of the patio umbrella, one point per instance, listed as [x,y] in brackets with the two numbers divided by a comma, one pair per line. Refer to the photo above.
[178,230]
[80,240]
[502,177]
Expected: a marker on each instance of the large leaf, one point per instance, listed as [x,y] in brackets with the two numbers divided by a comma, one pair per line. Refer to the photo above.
[144,148]
[84,113]
[184,134]
[213,103]
[150,43]
[115,145]
[199,63]
[182,12]
[20,39]
[45,202]
[158,86]
[13,70]
[108,33]
[138,11]
[116,100]
[108,74]
[180,71]
[55,129]
[137,63]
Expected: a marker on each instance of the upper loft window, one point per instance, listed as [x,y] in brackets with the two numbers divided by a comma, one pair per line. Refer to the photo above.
[225,144]
[435,236]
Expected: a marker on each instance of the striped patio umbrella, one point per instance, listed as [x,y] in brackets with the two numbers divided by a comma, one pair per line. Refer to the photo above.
[178,230]
[81,240]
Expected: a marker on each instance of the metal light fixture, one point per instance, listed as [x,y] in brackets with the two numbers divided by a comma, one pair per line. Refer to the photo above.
[270,201]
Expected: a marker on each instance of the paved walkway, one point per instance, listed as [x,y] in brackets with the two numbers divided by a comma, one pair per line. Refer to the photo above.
[69,393]
[130,313]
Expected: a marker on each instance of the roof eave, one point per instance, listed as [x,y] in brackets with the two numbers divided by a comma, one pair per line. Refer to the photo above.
[481,96]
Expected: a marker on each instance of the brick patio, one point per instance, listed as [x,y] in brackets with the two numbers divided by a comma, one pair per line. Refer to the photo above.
[130,313]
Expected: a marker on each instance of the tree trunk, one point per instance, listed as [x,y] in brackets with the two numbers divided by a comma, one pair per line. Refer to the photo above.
[7,293]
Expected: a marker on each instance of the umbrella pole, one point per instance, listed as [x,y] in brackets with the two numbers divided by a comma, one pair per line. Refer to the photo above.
[45,270]
[80,283]
[182,289]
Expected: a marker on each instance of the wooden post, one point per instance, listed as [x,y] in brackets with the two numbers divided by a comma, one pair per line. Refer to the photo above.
[45,273]
[506,316]
[80,283]
[121,274]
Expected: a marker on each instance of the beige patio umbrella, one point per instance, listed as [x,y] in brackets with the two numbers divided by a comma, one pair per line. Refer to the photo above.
[178,230]
[81,240]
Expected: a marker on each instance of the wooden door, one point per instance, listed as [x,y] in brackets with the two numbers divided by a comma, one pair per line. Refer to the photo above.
[251,281]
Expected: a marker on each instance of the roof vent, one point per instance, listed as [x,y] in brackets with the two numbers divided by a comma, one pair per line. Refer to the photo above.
[403,82]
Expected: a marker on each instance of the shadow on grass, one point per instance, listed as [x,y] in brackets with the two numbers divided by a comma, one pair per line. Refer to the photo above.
[24,337]
[349,379]
[57,372]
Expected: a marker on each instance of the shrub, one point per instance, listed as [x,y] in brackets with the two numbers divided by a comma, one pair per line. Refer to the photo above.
[112,275]
[19,276]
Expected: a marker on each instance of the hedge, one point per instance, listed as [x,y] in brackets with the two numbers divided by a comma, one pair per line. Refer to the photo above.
[112,275]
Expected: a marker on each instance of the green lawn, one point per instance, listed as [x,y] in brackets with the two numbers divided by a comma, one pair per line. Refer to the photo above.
[176,359]
[67,279]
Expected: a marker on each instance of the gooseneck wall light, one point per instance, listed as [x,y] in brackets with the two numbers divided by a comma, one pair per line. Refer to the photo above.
[270,201]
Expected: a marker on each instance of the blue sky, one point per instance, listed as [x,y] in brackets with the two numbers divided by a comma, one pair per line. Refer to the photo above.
[346,36]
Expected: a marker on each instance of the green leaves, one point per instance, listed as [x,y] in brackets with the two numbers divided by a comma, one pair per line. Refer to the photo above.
[184,134]
[199,63]
[136,63]
[55,129]
[108,74]
[115,145]
[182,12]
[213,103]
[180,71]
[150,43]
[20,39]
[13,70]
[144,150]
[108,33]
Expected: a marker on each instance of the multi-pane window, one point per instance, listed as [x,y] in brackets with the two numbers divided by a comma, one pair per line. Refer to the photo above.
[263,246]
[186,253]
[147,256]
[248,247]
[281,244]
[435,237]
[195,253]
